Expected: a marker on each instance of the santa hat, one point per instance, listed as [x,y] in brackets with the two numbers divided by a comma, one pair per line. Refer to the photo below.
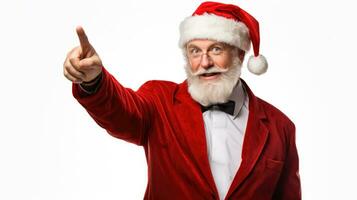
[225,23]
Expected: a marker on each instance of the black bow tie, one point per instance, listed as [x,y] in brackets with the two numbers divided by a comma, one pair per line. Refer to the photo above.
[227,107]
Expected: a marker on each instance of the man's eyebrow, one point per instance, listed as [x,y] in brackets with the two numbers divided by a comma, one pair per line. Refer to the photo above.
[192,46]
[219,44]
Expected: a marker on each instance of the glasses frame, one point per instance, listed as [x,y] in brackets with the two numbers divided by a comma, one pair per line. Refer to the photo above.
[209,52]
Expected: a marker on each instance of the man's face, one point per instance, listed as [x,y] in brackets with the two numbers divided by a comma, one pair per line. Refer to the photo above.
[203,54]
[213,69]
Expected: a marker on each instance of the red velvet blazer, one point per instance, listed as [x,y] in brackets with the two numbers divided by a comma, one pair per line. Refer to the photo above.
[163,118]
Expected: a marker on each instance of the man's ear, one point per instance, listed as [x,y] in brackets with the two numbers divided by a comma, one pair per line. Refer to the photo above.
[241,54]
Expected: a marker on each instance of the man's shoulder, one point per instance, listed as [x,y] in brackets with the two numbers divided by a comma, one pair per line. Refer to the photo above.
[274,114]
[155,85]
[160,88]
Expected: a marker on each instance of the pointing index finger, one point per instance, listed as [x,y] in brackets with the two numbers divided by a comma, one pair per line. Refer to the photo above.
[83,39]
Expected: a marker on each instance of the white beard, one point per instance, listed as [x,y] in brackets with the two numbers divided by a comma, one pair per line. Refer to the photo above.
[207,92]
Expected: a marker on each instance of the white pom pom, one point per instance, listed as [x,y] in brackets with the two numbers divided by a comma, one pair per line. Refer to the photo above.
[257,65]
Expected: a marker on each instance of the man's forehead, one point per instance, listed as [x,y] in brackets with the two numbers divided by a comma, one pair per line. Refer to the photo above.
[204,43]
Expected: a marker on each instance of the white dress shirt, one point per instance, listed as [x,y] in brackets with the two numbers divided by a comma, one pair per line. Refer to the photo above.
[224,135]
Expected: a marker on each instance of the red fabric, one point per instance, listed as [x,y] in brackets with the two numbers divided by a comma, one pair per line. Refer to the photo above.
[163,118]
[234,12]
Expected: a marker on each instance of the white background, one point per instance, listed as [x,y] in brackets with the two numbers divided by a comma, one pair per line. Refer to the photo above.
[51,149]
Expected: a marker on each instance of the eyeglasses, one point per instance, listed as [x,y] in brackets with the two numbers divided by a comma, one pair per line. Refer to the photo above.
[213,51]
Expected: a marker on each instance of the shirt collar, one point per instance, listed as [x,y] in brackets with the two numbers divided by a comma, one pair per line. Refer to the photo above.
[238,95]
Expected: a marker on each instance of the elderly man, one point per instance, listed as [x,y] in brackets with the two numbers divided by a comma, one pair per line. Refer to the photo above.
[208,137]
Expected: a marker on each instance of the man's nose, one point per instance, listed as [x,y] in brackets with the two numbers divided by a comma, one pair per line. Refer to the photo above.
[206,61]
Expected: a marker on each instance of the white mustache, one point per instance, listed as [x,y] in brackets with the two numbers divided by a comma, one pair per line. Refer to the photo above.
[213,69]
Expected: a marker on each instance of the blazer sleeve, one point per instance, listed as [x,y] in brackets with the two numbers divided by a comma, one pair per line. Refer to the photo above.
[122,112]
[289,186]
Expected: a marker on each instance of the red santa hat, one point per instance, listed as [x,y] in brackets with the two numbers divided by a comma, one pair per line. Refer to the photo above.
[225,23]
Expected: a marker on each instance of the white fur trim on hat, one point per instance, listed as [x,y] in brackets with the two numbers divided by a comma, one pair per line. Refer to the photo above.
[210,26]
[257,65]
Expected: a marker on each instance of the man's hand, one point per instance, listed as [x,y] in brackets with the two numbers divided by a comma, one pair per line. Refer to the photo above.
[82,63]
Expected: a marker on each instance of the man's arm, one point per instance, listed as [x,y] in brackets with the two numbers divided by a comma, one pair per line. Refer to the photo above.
[289,186]
[121,111]
[125,114]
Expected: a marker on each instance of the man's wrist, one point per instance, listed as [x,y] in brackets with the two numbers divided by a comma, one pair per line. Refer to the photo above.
[93,81]
[92,86]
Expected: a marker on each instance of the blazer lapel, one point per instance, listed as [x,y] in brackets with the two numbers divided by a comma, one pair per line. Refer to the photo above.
[254,140]
[194,140]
